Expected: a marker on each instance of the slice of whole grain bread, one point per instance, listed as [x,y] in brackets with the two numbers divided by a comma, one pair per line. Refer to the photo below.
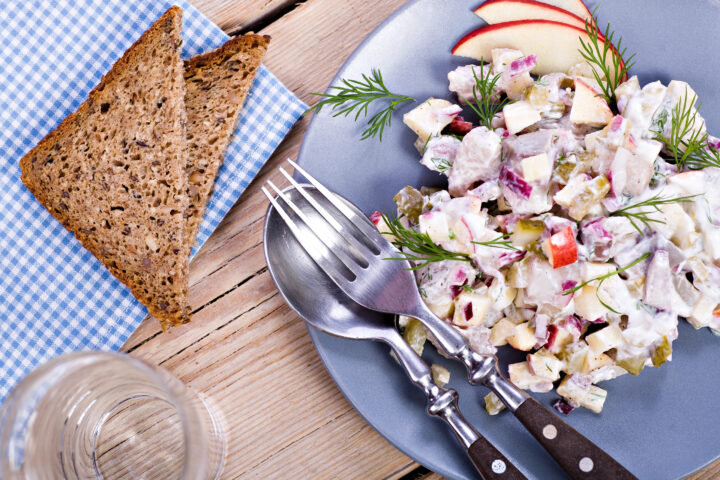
[114,174]
[217,84]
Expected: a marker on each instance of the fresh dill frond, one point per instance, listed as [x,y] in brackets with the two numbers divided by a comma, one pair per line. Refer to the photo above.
[484,106]
[356,96]
[653,204]
[499,242]
[602,278]
[442,164]
[600,51]
[418,246]
[686,144]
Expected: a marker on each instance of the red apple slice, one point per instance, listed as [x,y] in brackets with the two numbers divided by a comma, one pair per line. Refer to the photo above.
[576,7]
[588,107]
[557,45]
[561,248]
[499,11]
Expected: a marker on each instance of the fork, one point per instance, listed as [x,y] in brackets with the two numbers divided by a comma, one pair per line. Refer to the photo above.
[351,251]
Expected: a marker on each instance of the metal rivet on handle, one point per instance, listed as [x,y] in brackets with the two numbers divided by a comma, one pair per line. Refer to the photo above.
[498,466]
[549,431]
[586,464]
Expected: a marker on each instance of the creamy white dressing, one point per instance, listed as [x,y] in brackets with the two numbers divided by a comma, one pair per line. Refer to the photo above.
[554,173]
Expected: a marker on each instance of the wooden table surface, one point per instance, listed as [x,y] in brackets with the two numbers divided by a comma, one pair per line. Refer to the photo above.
[245,347]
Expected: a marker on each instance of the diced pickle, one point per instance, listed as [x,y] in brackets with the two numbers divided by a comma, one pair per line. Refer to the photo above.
[632,365]
[536,95]
[662,352]
[536,249]
[570,165]
[409,202]
[527,231]
[428,190]
[415,335]
[590,194]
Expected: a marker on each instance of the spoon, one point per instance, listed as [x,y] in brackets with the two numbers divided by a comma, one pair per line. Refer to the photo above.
[318,301]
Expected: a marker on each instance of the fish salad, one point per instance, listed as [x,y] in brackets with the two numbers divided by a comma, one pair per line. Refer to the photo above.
[573,228]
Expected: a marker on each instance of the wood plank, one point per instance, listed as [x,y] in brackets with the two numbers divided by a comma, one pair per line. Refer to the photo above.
[234,15]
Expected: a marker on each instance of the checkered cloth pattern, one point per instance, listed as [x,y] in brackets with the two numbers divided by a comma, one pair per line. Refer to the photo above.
[55,296]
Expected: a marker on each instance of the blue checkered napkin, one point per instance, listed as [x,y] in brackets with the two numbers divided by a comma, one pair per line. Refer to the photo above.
[54,295]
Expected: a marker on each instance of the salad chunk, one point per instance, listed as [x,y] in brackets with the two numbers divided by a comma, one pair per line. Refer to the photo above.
[574,229]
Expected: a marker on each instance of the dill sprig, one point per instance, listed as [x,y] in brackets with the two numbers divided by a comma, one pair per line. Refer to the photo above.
[356,96]
[599,51]
[484,106]
[602,278]
[499,242]
[643,216]
[419,246]
[687,144]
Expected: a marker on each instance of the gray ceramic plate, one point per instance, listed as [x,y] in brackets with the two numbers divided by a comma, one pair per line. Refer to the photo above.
[663,424]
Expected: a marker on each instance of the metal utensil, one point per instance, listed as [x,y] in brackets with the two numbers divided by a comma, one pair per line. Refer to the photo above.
[316,299]
[350,250]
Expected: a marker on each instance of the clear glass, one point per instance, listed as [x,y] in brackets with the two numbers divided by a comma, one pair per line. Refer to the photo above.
[98,415]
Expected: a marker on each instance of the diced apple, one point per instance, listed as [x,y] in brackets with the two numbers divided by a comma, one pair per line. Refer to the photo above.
[499,11]
[470,309]
[523,378]
[502,294]
[625,90]
[588,108]
[702,312]
[502,57]
[537,168]
[587,304]
[520,115]
[605,339]
[530,37]
[594,399]
[424,119]
[689,183]
[523,337]
[558,339]
[440,374]
[573,388]
[593,270]
[435,224]
[377,219]
[493,404]
[463,237]
[593,361]
[574,356]
[545,364]
[561,248]
[500,332]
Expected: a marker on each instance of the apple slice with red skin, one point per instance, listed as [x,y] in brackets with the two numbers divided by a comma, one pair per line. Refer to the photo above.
[561,248]
[576,7]
[556,44]
[499,11]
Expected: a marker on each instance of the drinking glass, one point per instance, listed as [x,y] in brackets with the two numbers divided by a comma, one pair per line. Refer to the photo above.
[100,415]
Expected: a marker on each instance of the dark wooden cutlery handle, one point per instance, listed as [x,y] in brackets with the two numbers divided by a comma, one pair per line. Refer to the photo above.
[492,464]
[578,456]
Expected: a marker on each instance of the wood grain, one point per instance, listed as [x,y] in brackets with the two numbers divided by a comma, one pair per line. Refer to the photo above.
[236,15]
[245,348]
